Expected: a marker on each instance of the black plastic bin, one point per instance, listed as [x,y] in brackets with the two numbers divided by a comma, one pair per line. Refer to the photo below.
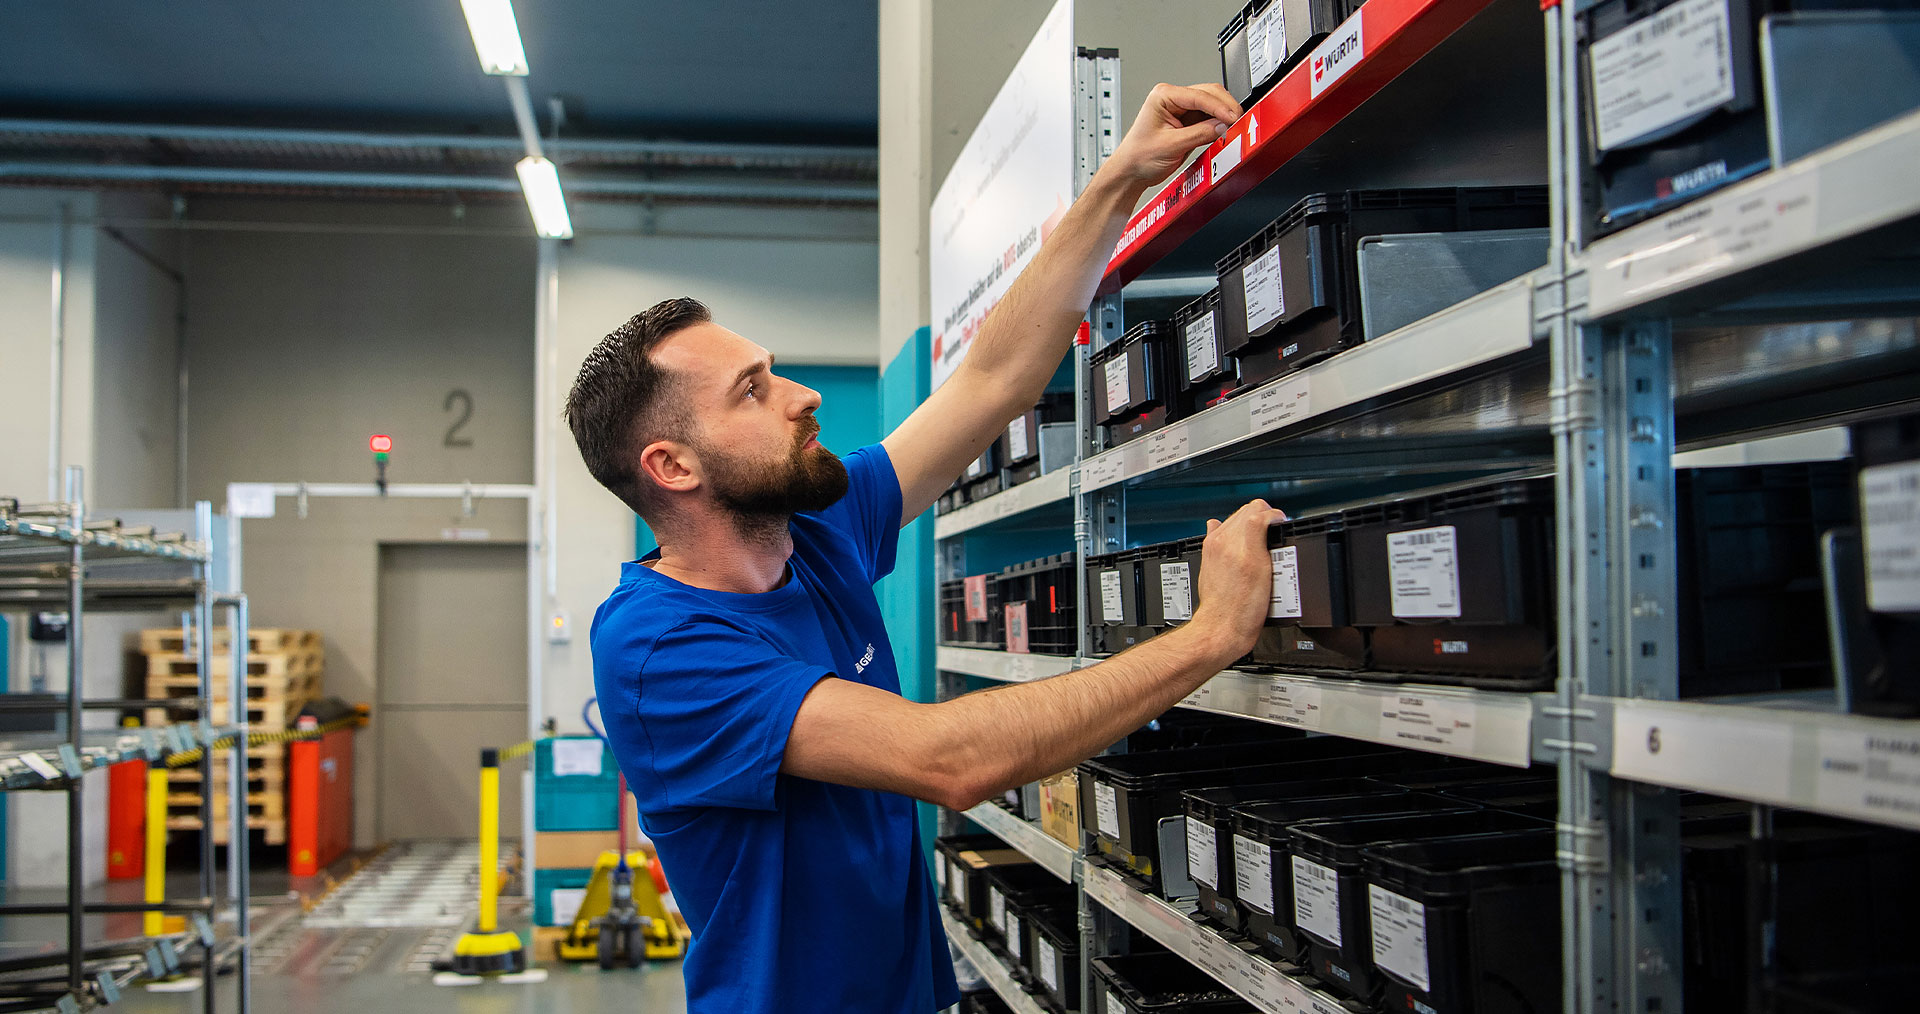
[1886,672]
[970,613]
[1534,797]
[1054,959]
[1290,294]
[1458,586]
[1207,374]
[1309,618]
[967,858]
[1040,594]
[1328,853]
[1158,982]
[1019,444]
[1123,798]
[1450,773]
[1467,924]
[1115,590]
[1169,582]
[1269,37]
[1012,889]
[1133,382]
[1025,918]
[1752,605]
[983,1001]
[1210,827]
[1263,858]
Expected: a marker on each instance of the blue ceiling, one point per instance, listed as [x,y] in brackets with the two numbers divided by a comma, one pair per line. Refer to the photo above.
[736,70]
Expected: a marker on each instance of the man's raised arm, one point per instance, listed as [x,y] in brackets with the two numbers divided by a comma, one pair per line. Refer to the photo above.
[1023,339]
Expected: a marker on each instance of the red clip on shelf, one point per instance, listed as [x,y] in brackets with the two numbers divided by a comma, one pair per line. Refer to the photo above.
[1368,50]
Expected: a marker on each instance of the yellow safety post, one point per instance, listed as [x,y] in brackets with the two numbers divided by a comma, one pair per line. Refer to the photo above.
[486,950]
[155,923]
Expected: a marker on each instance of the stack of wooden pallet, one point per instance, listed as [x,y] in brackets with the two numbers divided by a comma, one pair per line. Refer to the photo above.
[284,672]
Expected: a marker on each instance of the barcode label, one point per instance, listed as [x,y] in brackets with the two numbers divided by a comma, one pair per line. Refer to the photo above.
[1176,591]
[1285,603]
[1112,609]
[1106,807]
[1267,40]
[1399,936]
[1203,861]
[1253,873]
[1653,74]
[1424,573]
[1316,900]
[1203,349]
[1119,393]
[1049,965]
[1890,503]
[1017,443]
[997,909]
[1260,281]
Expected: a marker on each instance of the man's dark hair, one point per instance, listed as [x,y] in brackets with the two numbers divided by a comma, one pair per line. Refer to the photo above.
[620,402]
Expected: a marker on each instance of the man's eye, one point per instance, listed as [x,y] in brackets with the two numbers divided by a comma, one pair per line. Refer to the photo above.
[751,387]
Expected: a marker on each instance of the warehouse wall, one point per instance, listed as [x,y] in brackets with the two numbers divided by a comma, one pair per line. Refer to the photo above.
[799,282]
[140,295]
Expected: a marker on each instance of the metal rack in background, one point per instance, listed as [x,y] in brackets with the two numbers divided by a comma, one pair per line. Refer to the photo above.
[53,557]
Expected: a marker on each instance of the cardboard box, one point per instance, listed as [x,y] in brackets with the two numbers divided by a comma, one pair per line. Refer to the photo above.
[561,850]
[1060,807]
[546,943]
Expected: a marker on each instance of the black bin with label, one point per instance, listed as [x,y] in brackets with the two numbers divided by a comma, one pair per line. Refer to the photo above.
[1207,374]
[1159,982]
[1019,444]
[1886,669]
[1170,582]
[1115,591]
[1040,594]
[1133,383]
[1309,618]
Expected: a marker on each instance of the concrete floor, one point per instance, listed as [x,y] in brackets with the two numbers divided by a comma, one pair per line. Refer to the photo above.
[314,971]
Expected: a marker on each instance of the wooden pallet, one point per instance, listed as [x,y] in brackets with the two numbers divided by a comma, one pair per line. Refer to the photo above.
[304,686]
[262,716]
[261,669]
[274,831]
[260,640]
[267,779]
[271,805]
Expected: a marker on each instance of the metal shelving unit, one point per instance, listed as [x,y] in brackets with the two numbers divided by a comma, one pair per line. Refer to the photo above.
[55,557]
[1737,317]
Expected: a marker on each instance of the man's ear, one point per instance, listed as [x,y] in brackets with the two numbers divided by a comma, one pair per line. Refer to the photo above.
[670,465]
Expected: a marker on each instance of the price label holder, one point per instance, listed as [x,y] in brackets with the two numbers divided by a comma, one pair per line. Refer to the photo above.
[1281,403]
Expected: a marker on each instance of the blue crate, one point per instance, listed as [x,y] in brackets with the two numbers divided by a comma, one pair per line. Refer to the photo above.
[559,805]
[544,883]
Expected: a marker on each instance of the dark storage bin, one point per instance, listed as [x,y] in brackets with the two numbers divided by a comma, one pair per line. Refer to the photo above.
[1309,622]
[1534,797]
[1467,924]
[1115,591]
[1207,374]
[1886,672]
[970,613]
[1158,982]
[1210,825]
[1269,37]
[1169,582]
[1012,890]
[1752,606]
[980,489]
[1041,594]
[1450,773]
[1054,958]
[1133,382]
[1019,443]
[1123,798]
[1027,960]
[987,464]
[1290,295]
[1834,896]
[967,858]
[1332,916]
[983,1001]
[1263,858]
[1458,586]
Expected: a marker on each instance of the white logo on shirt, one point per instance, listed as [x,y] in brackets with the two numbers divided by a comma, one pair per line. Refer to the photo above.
[865,660]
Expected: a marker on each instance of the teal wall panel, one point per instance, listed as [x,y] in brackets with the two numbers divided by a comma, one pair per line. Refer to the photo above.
[906,595]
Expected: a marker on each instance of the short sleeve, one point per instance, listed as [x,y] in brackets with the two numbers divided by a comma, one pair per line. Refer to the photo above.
[870,512]
[712,708]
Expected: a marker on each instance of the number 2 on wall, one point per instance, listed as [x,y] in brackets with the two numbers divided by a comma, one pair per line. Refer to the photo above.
[453,438]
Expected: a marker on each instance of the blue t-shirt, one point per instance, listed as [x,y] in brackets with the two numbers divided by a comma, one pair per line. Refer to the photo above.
[802,895]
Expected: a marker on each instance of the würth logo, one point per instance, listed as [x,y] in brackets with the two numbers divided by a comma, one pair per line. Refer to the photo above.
[1342,50]
[865,660]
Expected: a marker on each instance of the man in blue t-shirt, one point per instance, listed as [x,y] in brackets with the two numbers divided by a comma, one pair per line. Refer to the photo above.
[745,676]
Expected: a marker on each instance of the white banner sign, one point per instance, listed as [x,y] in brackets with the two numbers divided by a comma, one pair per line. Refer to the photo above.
[1005,193]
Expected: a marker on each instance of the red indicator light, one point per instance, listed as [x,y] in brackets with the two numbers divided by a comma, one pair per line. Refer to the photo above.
[380,443]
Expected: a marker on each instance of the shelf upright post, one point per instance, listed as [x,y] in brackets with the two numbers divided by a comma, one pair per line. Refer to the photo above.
[76,582]
[239,853]
[203,647]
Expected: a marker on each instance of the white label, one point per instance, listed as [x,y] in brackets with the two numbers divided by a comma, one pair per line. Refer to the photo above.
[1168,446]
[1890,501]
[997,909]
[1426,722]
[1203,347]
[1295,704]
[1106,810]
[1203,863]
[1176,591]
[1399,935]
[565,902]
[1114,1006]
[250,499]
[577,756]
[1017,441]
[1253,873]
[1260,280]
[1226,158]
[1875,774]
[1696,748]
[1424,574]
[1285,603]
[1016,936]
[1049,965]
[1279,403]
[1661,70]
[1711,238]
[1112,609]
[1316,899]
[977,467]
[1103,471]
[1341,51]
[940,873]
[957,877]
[1267,40]
[39,765]
[1115,373]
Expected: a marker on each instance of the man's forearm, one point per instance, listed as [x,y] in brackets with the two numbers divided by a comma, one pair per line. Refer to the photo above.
[1024,338]
[1012,735]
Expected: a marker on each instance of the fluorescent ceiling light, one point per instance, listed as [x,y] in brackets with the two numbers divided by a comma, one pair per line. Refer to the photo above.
[542,186]
[496,36]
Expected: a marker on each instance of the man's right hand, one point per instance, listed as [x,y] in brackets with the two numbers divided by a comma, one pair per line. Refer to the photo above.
[1236,578]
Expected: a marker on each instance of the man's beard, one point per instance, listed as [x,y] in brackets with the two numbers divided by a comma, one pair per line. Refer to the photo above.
[807,479]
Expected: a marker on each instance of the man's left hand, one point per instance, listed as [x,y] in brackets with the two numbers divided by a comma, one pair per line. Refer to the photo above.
[1174,121]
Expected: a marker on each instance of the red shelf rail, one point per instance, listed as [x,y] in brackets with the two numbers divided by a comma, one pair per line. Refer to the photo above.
[1370,49]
